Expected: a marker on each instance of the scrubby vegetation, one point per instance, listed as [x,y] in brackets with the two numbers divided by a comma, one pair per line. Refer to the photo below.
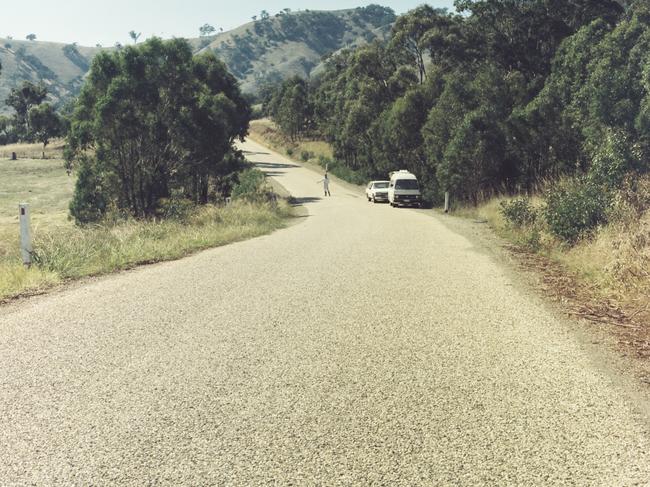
[480,103]
[64,251]
[150,153]
[33,118]
[611,259]
[154,123]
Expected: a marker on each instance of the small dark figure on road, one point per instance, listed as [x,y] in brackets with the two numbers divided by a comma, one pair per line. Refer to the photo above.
[326,185]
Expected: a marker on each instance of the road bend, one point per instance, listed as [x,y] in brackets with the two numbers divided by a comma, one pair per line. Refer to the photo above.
[362,345]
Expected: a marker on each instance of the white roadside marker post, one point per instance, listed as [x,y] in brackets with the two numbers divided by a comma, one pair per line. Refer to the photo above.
[25,235]
[447,202]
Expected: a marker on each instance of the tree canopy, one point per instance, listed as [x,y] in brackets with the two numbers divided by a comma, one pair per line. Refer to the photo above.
[22,99]
[498,96]
[153,122]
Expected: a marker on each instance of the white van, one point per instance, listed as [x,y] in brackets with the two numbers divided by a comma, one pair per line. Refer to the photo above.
[404,189]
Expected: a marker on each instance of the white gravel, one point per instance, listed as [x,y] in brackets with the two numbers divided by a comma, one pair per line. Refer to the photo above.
[364,345]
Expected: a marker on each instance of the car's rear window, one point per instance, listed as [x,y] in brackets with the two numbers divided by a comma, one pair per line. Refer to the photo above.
[406,184]
[381,185]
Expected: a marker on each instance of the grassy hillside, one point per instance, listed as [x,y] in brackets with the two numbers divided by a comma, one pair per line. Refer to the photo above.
[61,67]
[294,43]
[271,49]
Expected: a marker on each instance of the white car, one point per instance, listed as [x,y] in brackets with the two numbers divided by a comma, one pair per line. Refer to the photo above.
[377,191]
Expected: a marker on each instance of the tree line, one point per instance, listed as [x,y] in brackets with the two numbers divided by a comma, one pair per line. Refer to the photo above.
[34,120]
[154,126]
[499,96]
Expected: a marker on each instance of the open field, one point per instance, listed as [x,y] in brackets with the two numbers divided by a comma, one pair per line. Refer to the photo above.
[54,150]
[64,251]
[44,184]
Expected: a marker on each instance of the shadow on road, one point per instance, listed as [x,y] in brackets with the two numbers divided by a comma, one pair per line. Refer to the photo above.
[293,201]
[274,165]
[251,153]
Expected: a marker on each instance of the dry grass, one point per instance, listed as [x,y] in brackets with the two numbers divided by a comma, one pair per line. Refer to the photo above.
[487,212]
[266,132]
[64,251]
[490,212]
[54,150]
[314,152]
[604,278]
[44,184]
[617,261]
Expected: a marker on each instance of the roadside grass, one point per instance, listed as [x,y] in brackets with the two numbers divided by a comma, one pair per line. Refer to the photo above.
[489,212]
[44,184]
[265,131]
[616,260]
[64,251]
[613,262]
[308,151]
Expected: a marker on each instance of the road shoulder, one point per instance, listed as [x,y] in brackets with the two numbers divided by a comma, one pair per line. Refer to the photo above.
[602,341]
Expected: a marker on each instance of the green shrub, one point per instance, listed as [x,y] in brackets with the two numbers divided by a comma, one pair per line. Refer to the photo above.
[518,212]
[252,187]
[349,175]
[175,208]
[575,207]
[89,203]
[306,155]
[631,200]
[533,238]
[289,151]
[324,161]
[614,157]
[342,171]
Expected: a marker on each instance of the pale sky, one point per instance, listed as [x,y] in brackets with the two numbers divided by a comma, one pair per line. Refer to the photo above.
[89,22]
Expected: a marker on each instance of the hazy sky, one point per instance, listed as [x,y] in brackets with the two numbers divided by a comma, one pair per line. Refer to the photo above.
[89,22]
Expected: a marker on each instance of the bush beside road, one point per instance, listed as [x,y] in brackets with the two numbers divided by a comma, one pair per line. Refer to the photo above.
[64,251]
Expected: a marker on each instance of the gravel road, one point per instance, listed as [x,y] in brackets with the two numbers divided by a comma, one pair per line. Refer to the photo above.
[363,345]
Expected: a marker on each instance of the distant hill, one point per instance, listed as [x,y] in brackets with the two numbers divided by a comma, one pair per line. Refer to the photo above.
[61,67]
[268,49]
[292,43]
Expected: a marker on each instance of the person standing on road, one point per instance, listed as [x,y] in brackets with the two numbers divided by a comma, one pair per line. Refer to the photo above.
[326,185]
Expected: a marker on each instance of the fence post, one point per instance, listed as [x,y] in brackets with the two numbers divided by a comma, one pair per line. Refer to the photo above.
[446,201]
[25,235]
